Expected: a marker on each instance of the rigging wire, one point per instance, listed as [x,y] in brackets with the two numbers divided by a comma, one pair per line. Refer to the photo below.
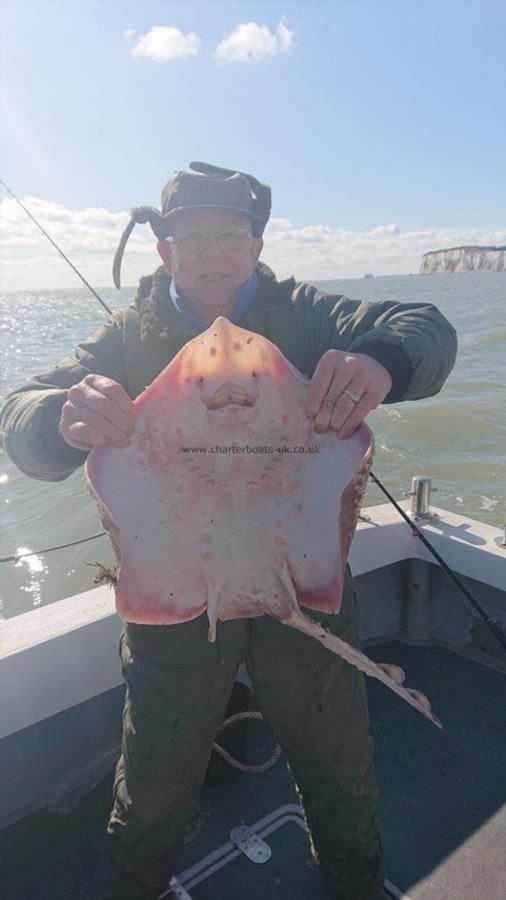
[15,557]
[55,245]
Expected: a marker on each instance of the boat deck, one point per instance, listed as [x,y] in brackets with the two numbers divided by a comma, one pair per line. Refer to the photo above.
[443,806]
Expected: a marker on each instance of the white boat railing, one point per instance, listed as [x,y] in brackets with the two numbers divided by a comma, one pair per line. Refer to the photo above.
[45,664]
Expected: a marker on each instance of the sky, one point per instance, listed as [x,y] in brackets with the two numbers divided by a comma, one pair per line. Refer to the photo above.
[381,127]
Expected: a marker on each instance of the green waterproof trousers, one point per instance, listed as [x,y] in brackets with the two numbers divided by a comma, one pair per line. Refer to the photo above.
[178,685]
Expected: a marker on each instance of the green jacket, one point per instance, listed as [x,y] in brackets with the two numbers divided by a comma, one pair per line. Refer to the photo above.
[413,341]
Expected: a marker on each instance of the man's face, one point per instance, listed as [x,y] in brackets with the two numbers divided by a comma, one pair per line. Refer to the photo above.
[211,278]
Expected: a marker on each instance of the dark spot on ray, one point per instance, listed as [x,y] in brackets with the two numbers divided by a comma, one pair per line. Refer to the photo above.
[237,346]
[213,351]
[254,374]
[249,340]
[201,380]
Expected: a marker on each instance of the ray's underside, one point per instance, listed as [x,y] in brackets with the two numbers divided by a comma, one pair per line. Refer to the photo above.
[262,527]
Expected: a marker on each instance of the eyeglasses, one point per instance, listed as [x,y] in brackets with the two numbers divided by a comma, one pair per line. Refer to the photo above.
[194,242]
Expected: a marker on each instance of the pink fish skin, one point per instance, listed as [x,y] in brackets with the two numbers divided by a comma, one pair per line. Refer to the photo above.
[227,500]
[255,489]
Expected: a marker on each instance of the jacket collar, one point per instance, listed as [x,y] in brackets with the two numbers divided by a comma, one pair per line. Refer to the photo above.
[159,318]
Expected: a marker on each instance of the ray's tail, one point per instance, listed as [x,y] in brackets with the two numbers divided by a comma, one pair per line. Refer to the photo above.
[390,675]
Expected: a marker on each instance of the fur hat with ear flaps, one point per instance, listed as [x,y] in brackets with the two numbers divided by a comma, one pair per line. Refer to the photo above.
[205,187]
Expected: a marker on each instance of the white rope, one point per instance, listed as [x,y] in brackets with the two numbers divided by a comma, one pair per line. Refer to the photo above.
[244,767]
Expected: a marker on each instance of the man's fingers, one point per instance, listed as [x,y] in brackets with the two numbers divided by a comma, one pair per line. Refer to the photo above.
[113,390]
[321,381]
[84,425]
[356,415]
[334,411]
[339,401]
[324,416]
[83,397]
[346,405]
[337,375]
[80,435]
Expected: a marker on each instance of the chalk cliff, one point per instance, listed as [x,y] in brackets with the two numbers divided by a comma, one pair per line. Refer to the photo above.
[464,259]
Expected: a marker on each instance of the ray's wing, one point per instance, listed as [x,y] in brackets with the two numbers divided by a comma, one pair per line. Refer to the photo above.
[148,495]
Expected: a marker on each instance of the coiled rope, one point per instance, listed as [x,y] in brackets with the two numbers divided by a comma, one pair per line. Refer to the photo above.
[244,767]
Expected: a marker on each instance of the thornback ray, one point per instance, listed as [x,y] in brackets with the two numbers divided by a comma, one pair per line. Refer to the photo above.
[228,501]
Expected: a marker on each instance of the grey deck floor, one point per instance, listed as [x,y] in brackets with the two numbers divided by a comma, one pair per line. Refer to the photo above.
[443,804]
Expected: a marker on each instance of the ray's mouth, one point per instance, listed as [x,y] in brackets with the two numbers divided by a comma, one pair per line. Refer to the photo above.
[230,394]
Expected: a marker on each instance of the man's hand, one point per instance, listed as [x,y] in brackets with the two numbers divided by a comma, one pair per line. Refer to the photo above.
[343,389]
[97,411]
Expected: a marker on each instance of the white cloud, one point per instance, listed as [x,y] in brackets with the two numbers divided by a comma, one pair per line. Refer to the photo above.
[318,252]
[90,236]
[285,37]
[250,42]
[385,229]
[163,43]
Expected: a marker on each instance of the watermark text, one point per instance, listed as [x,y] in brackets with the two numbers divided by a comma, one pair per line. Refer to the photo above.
[246,449]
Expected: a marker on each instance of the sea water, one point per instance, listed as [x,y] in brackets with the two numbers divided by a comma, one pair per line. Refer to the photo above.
[457,437]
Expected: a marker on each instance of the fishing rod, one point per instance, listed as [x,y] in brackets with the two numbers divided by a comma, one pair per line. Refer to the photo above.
[494,627]
[55,245]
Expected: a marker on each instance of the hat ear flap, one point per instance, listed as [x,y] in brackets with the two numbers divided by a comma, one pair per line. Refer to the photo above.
[118,256]
[139,216]
[159,225]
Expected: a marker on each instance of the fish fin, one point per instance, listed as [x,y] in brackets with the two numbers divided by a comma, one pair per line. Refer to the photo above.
[368,666]
[395,672]
[212,612]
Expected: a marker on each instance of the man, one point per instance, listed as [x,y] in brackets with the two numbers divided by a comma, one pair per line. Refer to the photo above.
[357,355]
